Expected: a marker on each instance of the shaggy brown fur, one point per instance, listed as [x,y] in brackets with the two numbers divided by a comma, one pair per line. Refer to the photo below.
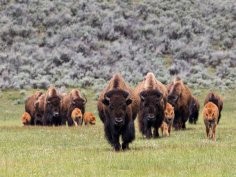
[210,116]
[217,100]
[179,97]
[169,116]
[39,110]
[117,108]
[52,108]
[194,110]
[77,116]
[151,95]
[26,118]
[69,102]
[89,118]
[164,129]
[30,105]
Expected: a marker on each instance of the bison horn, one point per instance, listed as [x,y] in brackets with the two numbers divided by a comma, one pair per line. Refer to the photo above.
[106,100]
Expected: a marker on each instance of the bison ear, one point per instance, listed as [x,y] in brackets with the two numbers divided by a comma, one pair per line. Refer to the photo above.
[128,101]
[159,95]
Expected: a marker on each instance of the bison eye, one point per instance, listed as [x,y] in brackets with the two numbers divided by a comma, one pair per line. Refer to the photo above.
[112,107]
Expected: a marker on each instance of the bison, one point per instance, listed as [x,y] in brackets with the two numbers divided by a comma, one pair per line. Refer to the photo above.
[169,116]
[152,101]
[164,129]
[210,116]
[117,107]
[26,118]
[89,118]
[52,108]
[217,100]
[77,116]
[30,106]
[179,96]
[69,102]
[193,110]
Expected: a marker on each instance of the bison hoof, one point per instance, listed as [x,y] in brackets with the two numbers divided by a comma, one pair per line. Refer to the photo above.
[117,147]
[125,146]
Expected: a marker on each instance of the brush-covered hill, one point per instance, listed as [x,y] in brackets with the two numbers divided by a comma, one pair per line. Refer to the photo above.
[82,43]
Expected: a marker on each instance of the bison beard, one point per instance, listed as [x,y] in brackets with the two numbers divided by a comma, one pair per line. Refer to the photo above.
[151,114]
[118,119]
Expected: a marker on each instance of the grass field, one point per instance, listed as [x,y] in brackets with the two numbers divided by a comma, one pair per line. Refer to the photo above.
[83,151]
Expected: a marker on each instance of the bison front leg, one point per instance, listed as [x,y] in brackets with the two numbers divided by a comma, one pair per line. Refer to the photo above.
[147,129]
[116,143]
[214,133]
[128,135]
[155,133]
[112,137]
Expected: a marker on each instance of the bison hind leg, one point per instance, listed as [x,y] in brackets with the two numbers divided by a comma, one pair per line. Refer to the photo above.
[128,135]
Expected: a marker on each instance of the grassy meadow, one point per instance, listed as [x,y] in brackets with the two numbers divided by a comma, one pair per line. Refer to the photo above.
[83,151]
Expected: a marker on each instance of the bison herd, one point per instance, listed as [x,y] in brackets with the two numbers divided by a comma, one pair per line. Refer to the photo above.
[52,108]
[156,105]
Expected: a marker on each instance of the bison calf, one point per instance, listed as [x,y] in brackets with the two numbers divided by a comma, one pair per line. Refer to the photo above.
[217,100]
[76,116]
[26,118]
[89,118]
[210,116]
[169,116]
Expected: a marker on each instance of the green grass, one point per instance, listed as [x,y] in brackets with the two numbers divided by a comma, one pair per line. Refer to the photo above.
[83,151]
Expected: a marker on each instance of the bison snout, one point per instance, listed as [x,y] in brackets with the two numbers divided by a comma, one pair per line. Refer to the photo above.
[150,116]
[119,120]
[55,114]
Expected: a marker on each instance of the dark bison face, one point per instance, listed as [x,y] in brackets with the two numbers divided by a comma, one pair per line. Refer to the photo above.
[151,104]
[53,106]
[174,94]
[117,102]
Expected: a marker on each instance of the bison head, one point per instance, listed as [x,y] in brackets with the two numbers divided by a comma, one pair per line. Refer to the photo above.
[174,94]
[117,102]
[52,106]
[151,104]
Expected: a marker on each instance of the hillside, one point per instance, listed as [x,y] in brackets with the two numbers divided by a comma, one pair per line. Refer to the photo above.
[82,43]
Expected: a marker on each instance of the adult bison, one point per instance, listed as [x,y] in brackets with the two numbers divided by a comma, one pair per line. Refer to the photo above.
[117,107]
[52,108]
[179,97]
[30,106]
[217,100]
[152,95]
[194,110]
[69,102]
